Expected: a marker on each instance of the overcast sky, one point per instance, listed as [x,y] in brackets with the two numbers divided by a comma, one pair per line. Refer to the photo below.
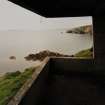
[14,17]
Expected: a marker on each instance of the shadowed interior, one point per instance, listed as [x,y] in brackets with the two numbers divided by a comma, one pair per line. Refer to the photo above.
[73,85]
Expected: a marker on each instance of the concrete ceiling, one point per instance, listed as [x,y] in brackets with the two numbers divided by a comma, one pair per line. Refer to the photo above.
[63,8]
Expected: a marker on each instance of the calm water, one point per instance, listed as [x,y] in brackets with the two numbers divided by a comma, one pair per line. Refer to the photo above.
[22,43]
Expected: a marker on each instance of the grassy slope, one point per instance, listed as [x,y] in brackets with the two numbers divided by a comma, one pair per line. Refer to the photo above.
[10,83]
[85,53]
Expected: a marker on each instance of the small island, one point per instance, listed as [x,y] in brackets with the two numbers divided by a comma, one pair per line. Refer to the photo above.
[12,58]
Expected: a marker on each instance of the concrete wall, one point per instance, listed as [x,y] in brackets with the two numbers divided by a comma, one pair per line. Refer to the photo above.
[67,64]
[64,80]
[51,80]
[38,89]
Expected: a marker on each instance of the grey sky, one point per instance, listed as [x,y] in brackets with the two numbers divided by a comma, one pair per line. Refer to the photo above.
[14,17]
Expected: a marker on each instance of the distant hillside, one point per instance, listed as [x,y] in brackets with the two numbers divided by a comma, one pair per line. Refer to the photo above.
[88,53]
[43,54]
[82,30]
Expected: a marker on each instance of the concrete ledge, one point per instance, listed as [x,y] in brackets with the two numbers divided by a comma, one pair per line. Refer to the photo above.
[21,93]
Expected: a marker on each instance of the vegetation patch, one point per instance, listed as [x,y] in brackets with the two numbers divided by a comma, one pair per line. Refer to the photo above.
[88,53]
[10,83]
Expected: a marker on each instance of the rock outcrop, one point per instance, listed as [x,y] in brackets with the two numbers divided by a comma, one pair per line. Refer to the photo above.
[43,54]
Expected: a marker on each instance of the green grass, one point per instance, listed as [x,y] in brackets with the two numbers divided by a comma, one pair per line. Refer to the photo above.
[10,83]
[88,53]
